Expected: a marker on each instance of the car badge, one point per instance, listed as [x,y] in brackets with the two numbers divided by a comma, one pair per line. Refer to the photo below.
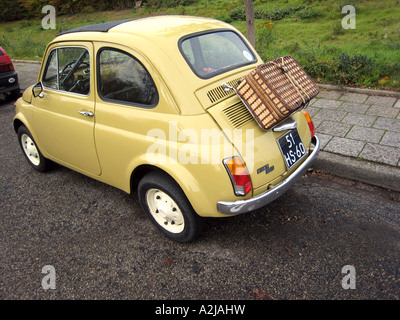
[265,168]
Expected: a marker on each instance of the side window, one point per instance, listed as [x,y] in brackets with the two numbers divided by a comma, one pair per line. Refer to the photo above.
[68,69]
[123,78]
[50,78]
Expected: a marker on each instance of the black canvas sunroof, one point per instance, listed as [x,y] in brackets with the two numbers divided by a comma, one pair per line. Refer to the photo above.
[98,27]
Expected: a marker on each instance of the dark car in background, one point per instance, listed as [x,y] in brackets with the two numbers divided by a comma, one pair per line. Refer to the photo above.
[8,77]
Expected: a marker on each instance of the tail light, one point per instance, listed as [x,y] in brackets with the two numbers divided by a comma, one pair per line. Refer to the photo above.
[238,174]
[310,123]
[6,67]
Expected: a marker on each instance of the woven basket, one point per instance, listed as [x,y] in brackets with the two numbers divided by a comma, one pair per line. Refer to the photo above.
[276,89]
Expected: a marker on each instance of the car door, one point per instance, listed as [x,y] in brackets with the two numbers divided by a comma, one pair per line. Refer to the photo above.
[127,88]
[64,113]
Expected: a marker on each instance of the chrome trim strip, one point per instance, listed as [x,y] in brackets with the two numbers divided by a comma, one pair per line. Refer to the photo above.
[248,205]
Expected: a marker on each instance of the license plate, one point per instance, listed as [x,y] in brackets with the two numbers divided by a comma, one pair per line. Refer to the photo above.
[292,148]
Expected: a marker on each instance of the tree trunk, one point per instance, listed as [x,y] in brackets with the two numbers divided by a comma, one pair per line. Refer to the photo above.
[250,29]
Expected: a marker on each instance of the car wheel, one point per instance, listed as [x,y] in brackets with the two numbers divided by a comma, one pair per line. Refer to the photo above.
[168,208]
[31,151]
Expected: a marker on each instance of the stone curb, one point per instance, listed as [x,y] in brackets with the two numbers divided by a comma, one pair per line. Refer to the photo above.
[374,92]
[373,173]
[26,61]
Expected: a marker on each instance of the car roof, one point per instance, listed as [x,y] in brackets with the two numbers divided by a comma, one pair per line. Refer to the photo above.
[155,41]
[97,27]
[151,26]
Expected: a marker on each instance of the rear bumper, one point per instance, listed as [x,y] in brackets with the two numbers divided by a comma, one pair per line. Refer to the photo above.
[243,206]
[8,82]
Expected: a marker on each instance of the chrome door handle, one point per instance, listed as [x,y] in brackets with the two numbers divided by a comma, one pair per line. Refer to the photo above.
[86,113]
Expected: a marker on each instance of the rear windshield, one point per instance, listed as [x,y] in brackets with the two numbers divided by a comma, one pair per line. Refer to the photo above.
[216,52]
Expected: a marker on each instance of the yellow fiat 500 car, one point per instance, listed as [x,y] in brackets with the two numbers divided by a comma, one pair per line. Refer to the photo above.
[144,105]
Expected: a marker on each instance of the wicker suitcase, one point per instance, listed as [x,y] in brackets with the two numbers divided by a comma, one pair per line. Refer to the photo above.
[276,89]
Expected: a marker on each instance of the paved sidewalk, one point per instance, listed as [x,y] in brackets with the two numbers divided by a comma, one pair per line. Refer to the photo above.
[358,125]
[359,132]
[360,136]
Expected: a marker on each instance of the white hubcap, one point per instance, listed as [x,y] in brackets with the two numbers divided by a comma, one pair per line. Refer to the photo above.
[30,149]
[165,211]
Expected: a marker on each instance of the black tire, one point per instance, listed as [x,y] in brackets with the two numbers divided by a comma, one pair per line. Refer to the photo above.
[157,185]
[31,150]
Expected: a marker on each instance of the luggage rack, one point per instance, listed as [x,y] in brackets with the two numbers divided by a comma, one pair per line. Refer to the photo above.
[286,124]
[275,90]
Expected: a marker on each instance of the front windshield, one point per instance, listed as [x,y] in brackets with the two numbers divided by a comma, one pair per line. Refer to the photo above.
[214,53]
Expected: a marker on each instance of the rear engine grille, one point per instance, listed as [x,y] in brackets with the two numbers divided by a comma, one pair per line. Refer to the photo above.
[219,93]
[237,114]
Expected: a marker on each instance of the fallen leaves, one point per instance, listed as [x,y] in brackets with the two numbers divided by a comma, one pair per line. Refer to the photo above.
[261,295]
[168,261]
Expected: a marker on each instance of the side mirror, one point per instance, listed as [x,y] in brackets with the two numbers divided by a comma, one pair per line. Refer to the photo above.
[37,90]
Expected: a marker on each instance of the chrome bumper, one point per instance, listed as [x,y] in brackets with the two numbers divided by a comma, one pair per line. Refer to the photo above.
[243,206]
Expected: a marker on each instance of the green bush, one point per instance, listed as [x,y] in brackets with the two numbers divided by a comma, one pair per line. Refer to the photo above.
[310,13]
[352,69]
[279,13]
[224,18]
[317,64]
[325,65]
[275,14]
[167,3]
[238,14]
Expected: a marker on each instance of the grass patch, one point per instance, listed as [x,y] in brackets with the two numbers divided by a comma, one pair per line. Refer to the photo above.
[309,30]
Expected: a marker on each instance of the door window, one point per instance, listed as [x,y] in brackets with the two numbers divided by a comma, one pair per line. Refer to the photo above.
[50,78]
[68,69]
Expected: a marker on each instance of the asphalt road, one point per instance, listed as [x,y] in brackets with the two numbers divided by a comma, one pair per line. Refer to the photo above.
[102,246]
